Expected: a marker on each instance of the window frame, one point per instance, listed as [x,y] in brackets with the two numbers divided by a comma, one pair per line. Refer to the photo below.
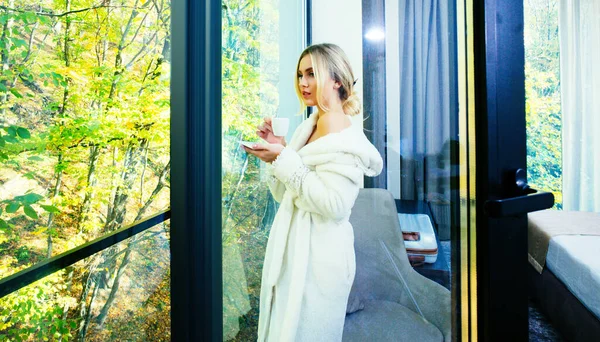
[196,121]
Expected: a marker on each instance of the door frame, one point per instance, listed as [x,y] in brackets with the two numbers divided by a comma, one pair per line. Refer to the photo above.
[196,247]
[500,126]
[196,147]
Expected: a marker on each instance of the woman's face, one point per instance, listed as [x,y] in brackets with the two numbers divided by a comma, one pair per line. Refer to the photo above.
[308,83]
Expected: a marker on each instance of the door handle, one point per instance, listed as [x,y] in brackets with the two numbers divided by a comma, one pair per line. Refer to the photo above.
[519,205]
[526,201]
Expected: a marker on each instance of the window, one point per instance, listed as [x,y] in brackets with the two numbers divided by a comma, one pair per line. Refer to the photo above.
[543,108]
[261,44]
[84,151]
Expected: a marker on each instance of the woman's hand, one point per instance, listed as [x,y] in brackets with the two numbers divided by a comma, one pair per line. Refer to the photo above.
[266,152]
[265,132]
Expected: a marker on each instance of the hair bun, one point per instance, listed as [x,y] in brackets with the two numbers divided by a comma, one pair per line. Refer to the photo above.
[352,105]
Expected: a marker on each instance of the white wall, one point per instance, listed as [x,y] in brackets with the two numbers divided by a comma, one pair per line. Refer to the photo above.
[345,31]
[282,40]
[291,43]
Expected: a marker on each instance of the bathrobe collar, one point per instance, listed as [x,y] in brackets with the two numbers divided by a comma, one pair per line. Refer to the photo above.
[350,140]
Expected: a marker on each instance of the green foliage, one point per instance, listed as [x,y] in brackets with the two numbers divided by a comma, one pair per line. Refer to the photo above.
[22,254]
[542,91]
[249,87]
[36,312]
[84,130]
[15,137]
[25,201]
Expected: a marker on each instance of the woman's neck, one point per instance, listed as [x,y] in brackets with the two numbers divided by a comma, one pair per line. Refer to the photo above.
[334,109]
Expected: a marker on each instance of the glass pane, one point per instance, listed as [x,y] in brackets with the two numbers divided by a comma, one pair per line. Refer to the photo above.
[561,53]
[261,43]
[84,122]
[542,89]
[421,102]
[406,74]
[561,114]
[120,294]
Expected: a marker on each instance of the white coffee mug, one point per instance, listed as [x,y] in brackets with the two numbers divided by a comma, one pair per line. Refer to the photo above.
[280,126]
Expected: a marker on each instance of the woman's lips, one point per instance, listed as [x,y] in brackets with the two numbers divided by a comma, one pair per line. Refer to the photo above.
[305,94]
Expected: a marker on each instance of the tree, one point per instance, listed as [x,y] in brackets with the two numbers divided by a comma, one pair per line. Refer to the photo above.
[542,91]
[84,103]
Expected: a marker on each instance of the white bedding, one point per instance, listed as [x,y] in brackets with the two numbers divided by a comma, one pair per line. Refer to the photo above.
[575,260]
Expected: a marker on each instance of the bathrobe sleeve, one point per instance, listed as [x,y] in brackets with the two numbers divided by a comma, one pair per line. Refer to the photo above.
[275,185]
[328,190]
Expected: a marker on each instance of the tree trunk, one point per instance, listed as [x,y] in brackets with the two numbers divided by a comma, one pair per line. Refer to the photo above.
[113,188]
[115,287]
[86,320]
[143,176]
[18,76]
[132,160]
[59,166]
[91,181]
[235,192]
[119,56]
[67,60]
[5,58]
[270,211]
[56,191]
[89,283]
[70,270]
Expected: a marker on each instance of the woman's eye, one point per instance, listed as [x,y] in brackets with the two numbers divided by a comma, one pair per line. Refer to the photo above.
[312,74]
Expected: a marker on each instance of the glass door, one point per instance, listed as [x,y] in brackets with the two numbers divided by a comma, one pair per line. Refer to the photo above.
[504,197]
[412,224]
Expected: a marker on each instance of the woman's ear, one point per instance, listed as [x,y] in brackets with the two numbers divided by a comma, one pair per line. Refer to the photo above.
[337,85]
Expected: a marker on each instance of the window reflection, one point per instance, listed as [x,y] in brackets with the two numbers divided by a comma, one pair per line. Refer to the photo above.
[261,42]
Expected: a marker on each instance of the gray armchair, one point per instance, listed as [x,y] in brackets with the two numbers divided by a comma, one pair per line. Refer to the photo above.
[390,301]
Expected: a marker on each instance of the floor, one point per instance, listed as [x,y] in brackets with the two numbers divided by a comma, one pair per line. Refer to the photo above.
[540,328]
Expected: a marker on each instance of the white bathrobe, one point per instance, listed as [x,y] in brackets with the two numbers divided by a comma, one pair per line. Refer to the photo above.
[309,263]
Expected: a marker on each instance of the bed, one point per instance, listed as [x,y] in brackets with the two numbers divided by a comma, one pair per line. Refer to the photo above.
[564,274]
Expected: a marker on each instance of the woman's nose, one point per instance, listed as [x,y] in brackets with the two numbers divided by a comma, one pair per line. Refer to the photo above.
[303,82]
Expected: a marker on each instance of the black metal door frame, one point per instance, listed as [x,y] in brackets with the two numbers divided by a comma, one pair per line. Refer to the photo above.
[196,227]
[502,307]
[196,279]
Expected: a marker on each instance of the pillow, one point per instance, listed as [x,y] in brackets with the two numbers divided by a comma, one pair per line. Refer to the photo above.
[354,304]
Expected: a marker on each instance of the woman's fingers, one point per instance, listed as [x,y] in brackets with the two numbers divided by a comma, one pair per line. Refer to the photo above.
[268,127]
[265,128]
[266,152]
[267,124]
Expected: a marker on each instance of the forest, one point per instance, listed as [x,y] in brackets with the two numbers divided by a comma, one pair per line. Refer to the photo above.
[84,150]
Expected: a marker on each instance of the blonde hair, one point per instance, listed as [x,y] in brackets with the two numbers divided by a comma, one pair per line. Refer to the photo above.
[330,58]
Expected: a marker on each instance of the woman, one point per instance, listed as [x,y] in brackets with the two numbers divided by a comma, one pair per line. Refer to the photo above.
[309,263]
